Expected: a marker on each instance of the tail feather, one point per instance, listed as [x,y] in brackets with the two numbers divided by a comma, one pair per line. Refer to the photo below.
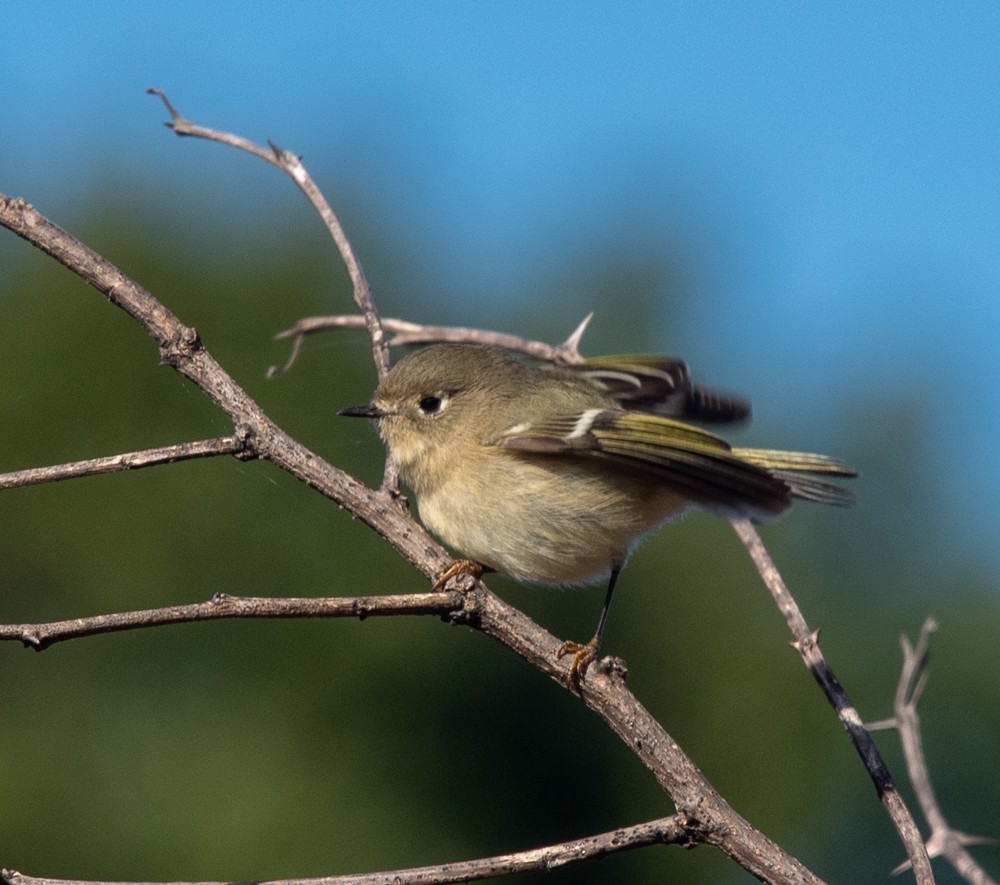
[800,471]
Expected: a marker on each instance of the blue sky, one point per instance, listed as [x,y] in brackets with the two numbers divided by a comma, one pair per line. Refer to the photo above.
[834,169]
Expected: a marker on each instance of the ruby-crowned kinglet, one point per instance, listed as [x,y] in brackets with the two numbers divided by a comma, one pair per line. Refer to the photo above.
[554,474]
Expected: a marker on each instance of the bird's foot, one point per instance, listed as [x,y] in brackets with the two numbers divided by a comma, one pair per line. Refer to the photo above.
[583,656]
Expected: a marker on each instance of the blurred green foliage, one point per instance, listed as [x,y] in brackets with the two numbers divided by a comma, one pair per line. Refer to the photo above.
[249,750]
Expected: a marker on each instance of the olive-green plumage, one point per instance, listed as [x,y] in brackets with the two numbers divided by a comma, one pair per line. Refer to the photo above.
[543,474]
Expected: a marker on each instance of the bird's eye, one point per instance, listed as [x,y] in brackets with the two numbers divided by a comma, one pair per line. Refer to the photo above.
[431,404]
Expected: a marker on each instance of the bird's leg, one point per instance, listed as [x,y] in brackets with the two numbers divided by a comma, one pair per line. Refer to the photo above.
[460,567]
[584,653]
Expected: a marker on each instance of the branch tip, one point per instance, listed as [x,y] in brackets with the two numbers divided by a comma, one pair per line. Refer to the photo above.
[175,116]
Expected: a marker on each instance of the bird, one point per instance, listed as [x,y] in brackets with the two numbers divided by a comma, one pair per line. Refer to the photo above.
[553,474]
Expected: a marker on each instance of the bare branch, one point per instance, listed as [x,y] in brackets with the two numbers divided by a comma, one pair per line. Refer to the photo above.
[207,448]
[405,332]
[806,643]
[667,830]
[222,605]
[944,841]
[707,818]
[292,166]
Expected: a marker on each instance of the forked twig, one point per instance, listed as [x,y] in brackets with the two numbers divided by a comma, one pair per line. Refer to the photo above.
[944,841]
[405,332]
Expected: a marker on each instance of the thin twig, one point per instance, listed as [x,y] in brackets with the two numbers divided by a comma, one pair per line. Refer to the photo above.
[944,841]
[292,166]
[405,332]
[665,831]
[222,605]
[206,448]
[806,643]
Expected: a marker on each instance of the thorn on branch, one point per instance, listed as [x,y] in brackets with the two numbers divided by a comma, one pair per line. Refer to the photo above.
[802,646]
[246,438]
[181,347]
[571,346]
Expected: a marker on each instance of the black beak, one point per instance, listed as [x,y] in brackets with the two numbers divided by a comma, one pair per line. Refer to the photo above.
[369,411]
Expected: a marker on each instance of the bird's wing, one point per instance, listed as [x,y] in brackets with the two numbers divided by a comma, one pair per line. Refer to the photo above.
[694,461]
[661,385]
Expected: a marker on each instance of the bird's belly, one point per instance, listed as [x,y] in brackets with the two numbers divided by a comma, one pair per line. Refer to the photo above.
[544,526]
